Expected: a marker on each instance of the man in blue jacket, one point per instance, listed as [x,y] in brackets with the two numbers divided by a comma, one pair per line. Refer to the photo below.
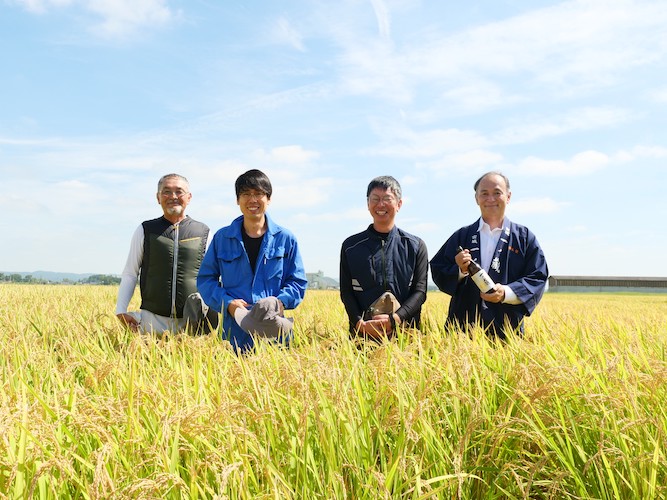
[508,251]
[251,259]
[382,260]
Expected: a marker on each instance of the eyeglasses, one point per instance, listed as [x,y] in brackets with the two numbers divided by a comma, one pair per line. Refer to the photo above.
[246,195]
[169,194]
[376,199]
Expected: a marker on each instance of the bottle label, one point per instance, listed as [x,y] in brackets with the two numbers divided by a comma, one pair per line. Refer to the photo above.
[483,281]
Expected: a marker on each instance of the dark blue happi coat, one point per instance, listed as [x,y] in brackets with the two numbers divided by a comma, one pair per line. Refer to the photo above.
[518,263]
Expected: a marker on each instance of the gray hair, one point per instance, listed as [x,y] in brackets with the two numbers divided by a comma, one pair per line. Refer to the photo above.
[385,182]
[499,174]
[171,176]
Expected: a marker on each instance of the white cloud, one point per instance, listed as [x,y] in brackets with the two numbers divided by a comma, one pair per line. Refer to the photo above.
[286,155]
[580,119]
[383,18]
[583,163]
[660,95]
[41,6]
[295,191]
[409,180]
[568,49]
[22,204]
[118,17]
[464,148]
[527,206]
[125,16]
[640,152]
[285,33]
[403,142]
[419,228]
[370,67]
[478,95]
[575,42]
[473,160]
[357,215]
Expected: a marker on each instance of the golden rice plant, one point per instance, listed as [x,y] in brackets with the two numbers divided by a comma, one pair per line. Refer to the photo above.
[575,409]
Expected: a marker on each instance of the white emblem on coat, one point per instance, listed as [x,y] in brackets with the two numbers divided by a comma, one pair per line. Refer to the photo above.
[495,264]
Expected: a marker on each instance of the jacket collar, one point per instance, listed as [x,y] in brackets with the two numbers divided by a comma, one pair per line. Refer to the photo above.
[235,228]
[377,234]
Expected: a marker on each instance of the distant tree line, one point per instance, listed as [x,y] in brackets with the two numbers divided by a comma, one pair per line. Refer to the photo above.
[94,279]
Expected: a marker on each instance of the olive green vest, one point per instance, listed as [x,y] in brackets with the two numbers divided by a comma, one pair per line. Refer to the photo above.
[172,256]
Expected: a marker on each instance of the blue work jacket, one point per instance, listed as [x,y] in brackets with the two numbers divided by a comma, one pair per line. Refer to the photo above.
[225,274]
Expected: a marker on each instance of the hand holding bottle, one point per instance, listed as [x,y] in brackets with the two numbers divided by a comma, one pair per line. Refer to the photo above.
[496,294]
[478,275]
[462,259]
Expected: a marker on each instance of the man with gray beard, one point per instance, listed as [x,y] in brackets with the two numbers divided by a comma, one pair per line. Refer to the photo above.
[165,255]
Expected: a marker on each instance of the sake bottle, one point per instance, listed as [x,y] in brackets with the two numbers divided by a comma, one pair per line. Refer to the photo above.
[479,275]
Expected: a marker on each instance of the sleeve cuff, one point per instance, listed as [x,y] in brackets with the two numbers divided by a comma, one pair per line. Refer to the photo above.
[510,296]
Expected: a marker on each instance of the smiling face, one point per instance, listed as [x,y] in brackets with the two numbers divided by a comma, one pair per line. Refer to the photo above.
[383,207]
[253,204]
[174,196]
[492,196]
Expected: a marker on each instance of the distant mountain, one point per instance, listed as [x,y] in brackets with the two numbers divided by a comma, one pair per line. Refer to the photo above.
[52,276]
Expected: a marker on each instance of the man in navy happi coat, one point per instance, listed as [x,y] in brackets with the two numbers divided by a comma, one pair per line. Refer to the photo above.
[508,251]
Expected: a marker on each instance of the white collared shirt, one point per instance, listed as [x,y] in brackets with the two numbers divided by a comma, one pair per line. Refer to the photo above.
[488,240]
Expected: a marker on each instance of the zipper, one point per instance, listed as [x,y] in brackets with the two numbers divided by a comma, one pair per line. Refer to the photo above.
[384,266]
[174,272]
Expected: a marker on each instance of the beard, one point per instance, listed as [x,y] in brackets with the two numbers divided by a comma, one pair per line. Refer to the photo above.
[175,210]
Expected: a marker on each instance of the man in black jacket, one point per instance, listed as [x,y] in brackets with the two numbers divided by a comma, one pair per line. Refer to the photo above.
[386,263]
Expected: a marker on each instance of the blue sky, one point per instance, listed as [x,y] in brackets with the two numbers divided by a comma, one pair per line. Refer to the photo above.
[98,99]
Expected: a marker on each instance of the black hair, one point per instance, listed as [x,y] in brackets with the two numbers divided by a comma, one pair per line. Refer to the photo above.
[253,179]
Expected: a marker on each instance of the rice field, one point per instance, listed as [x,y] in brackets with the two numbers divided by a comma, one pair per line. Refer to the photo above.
[574,410]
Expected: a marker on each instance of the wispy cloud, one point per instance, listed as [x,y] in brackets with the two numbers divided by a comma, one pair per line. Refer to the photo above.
[587,162]
[578,119]
[564,49]
[473,161]
[120,17]
[641,152]
[584,163]
[531,206]
[660,95]
[468,147]
[116,18]
[383,19]
[478,95]
[42,6]
[358,215]
[401,141]
[285,32]
[290,155]
[298,192]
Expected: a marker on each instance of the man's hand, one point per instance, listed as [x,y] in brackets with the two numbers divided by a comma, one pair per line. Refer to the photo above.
[462,260]
[235,304]
[377,327]
[129,321]
[496,295]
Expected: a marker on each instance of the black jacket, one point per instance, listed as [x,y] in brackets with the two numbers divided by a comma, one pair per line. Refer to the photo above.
[372,263]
